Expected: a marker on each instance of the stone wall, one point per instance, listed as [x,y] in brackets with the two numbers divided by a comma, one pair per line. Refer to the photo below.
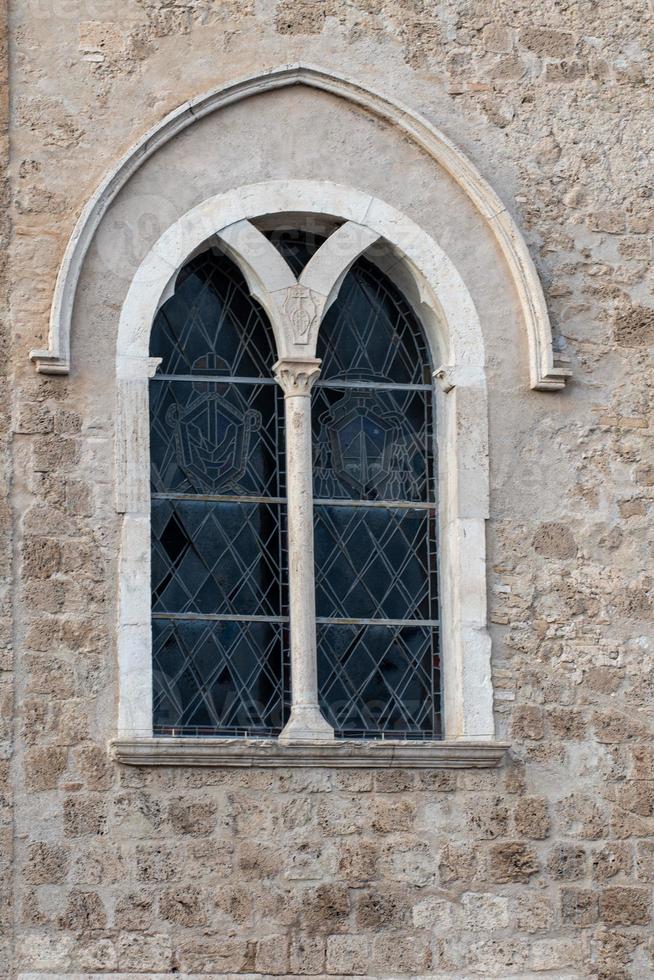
[545,867]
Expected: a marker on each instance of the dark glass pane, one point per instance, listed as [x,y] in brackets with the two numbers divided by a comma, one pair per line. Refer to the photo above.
[378,680]
[211,325]
[212,438]
[215,558]
[371,333]
[373,563]
[217,677]
[372,444]
[296,247]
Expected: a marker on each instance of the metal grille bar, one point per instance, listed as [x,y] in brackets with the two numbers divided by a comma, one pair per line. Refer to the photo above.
[333,621]
[376,385]
[219,498]
[390,504]
[218,379]
[220,618]
[227,379]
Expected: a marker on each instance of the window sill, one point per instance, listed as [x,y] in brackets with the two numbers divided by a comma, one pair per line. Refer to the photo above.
[344,753]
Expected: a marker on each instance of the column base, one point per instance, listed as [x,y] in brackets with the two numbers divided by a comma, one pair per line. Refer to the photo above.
[306,723]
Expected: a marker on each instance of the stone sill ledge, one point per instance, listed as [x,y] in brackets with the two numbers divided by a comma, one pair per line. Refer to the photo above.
[344,753]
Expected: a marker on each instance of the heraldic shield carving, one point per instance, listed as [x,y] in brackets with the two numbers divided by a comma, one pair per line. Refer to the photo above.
[213,433]
[301,309]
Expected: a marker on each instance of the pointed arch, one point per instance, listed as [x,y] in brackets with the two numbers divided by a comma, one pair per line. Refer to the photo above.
[544,373]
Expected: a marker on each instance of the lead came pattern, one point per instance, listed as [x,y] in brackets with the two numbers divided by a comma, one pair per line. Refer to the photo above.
[215,558]
[210,437]
[212,314]
[378,680]
[375,519]
[372,444]
[217,508]
[372,563]
[371,332]
[218,678]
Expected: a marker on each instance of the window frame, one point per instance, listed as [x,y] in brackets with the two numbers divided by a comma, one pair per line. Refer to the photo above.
[445,308]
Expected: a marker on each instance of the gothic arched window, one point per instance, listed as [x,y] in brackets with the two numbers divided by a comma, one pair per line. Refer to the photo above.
[217,478]
[221,550]
[375,515]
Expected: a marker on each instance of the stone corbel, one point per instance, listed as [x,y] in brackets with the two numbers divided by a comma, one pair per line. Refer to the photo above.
[445,377]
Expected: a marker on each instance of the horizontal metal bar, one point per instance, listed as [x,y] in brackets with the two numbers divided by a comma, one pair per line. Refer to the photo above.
[377,385]
[377,622]
[214,379]
[213,618]
[391,504]
[218,498]
[324,621]
[326,383]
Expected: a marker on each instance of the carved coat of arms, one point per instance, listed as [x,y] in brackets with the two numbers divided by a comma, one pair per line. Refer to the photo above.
[301,309]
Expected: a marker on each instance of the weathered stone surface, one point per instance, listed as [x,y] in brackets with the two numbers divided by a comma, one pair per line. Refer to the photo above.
[512,861]
[543,866]
[625,906]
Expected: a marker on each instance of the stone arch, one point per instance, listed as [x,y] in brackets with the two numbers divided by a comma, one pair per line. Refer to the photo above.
[544,373]
[445,307]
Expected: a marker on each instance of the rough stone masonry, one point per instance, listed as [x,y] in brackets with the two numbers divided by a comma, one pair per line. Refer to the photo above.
[544,867]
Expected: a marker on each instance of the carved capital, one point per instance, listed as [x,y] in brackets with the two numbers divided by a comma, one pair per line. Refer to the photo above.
[297,374]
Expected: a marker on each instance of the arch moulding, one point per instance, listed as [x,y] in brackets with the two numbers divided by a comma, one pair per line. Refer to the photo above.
[545,374]
[443,303]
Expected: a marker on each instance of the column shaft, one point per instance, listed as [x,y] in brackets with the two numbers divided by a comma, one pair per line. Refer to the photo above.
[306,720]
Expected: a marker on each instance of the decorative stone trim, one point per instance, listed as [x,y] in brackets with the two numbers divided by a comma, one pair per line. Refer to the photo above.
[444,376]
[453,332]
[545,374]
[312,753]
[296,375]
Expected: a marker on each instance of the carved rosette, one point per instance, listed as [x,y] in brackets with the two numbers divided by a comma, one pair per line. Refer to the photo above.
[296,375]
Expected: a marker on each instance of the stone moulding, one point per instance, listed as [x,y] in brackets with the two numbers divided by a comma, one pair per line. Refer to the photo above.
[545,374]
[342,753]
[454,335]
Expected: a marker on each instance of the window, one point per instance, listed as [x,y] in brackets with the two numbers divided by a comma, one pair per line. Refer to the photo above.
[220,534]
[217,477]
[225,312]
[375,515]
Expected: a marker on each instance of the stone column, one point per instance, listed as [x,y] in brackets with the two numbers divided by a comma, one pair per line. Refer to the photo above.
[296,376]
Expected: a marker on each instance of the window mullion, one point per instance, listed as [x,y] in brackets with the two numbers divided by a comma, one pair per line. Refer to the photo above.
[296,377]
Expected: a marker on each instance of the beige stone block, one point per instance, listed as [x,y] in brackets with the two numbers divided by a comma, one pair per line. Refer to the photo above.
[348,954]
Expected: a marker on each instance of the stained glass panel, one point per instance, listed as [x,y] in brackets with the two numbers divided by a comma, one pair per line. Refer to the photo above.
[375,515]
[218,678]
[372,443]
[373,562]
[216,438]
[212,322]
[370,332]
[215,557]
[379,680]
[217,476]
